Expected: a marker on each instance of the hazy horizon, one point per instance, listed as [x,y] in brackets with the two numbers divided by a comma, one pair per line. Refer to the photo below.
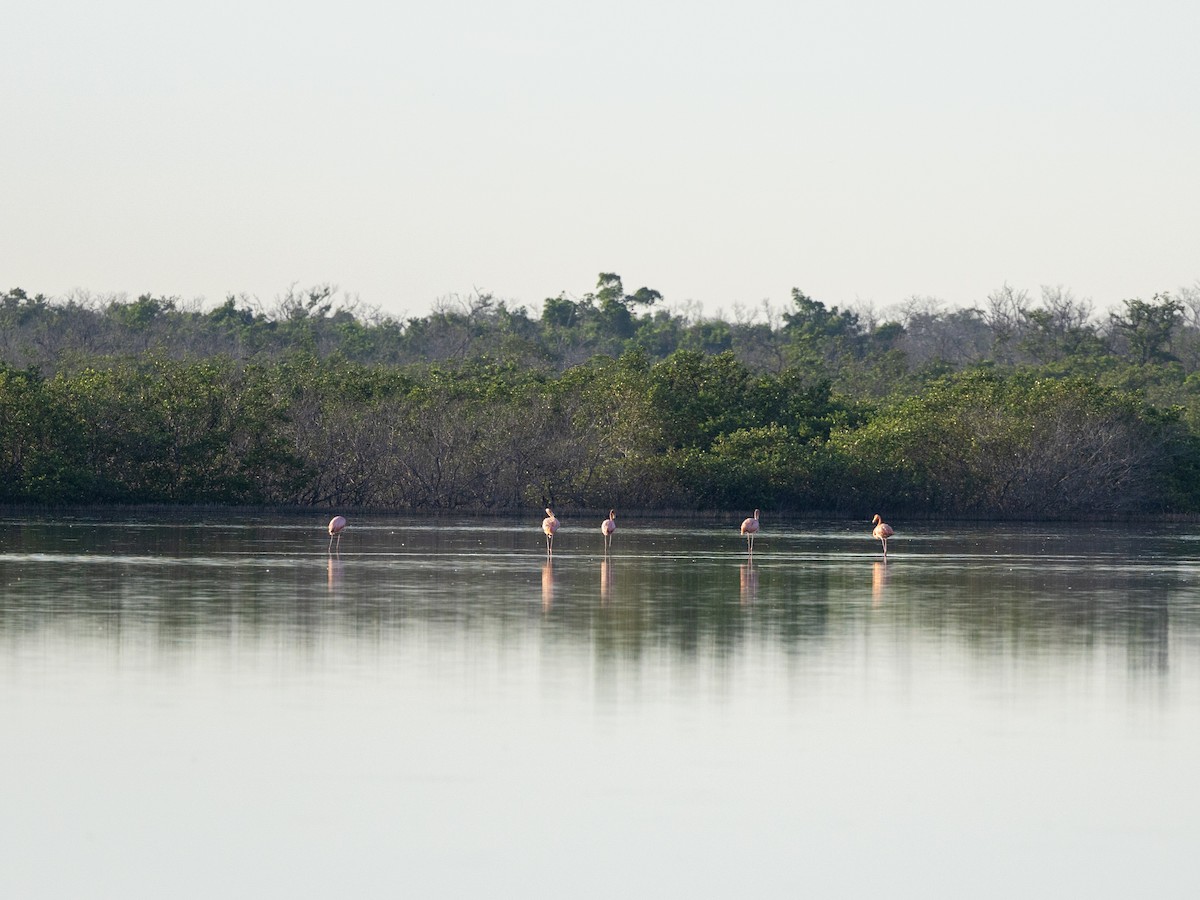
[865,153]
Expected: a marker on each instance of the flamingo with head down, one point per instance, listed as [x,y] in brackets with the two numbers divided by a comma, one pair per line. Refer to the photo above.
[336,526]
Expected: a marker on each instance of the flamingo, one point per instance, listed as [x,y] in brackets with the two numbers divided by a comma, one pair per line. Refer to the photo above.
[607,527]
[882,531]
[336,526]
[549,526]
[749,529]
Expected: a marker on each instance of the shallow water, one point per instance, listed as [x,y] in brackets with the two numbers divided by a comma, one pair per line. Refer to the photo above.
[222,708]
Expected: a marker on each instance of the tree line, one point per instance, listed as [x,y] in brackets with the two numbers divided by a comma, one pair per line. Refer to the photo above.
[1016,408]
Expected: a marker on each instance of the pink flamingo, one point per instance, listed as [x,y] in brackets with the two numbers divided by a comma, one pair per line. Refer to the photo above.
[607,527]
[882,531]
[549,526]
[336,525]
[750,529]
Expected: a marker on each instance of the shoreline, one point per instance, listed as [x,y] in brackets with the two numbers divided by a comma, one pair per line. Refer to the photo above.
[193,511]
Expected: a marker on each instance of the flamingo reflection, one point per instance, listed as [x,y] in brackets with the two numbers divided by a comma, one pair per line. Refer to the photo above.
[749,583]
[606,580]
[335,574]
[547,586]
[879,580]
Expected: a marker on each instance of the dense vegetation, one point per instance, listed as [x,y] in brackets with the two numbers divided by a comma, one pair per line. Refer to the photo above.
[1017,408]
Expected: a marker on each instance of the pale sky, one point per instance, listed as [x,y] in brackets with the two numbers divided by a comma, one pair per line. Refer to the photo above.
[865,151]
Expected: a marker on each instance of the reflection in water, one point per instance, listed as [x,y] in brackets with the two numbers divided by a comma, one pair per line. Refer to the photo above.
[749,582]
[154,677]
[1149,633]
[547,585]
[1027,596]
[879,578]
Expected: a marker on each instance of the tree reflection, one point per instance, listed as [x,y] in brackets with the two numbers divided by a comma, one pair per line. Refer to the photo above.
[1035,596]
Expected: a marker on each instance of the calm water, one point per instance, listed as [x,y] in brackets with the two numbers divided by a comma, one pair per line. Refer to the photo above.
[213,709]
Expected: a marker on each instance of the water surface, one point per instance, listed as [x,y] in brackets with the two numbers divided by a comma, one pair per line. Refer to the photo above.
[222,708]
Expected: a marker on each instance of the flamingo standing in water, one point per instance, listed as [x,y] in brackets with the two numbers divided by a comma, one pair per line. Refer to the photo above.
[750,529]
[607,527]
[549,526]
[336,525]
[882,531]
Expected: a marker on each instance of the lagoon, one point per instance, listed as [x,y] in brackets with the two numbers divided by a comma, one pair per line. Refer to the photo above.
[220,707]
